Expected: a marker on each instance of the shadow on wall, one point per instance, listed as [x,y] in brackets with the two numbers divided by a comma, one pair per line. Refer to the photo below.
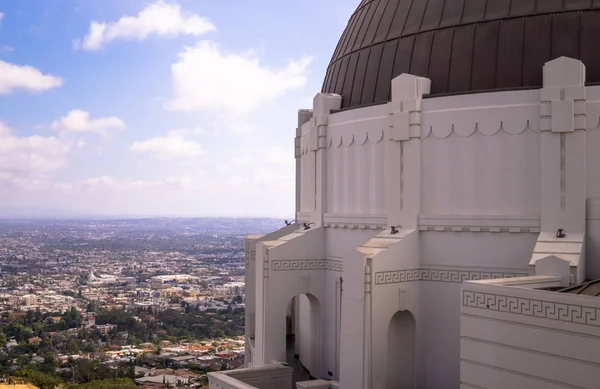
[401,351]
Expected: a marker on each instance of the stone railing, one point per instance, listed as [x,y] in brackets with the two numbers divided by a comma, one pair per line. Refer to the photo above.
[274,376]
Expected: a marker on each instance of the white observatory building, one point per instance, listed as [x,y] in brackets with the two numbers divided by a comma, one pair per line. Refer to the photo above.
[447,227]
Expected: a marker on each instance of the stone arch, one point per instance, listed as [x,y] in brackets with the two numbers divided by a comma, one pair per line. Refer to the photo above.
[303,320]
[400,371]
[310,324]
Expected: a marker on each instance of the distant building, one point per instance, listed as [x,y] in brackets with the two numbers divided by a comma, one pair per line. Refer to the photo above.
[34,340]
[159,281]
[29,300]
[88,320]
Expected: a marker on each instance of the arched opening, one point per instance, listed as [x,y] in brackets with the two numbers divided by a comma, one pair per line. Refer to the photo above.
[401,351]
[303,330]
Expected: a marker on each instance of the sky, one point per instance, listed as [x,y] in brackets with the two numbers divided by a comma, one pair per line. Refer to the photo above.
[157,107]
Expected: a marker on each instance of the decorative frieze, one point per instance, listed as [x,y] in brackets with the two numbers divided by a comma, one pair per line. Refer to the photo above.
[480,223]
[439,275]
[469,122]
[535,230]
[356,226]
[571,313]
[306,264]
[360,137]
[356,221]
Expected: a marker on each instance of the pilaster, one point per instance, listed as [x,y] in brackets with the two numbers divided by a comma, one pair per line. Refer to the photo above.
[403,156]
[563,147]
[304,115]
[563,173]
[323,104]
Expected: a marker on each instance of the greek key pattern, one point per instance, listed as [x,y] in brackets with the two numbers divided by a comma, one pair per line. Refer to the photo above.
[334,265]
[570,313]
[438,275]
[306,264]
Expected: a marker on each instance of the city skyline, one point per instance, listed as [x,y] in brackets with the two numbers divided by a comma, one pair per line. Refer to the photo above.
[156,108]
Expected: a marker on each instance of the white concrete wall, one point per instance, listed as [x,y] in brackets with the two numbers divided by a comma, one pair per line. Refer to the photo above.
[516,337]
[250,274]
[593,182]
[477,177]
[291,265]
[355,161]
[481,154]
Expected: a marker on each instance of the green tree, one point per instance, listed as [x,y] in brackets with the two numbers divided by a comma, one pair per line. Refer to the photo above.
[39,379]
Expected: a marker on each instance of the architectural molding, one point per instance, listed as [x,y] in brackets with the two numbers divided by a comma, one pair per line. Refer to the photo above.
[359,138]
[307,264]
[485,120]
[250,255]
[440,275]
[404,111]
[480,223]
[535,230]
[355,221]
[571,313]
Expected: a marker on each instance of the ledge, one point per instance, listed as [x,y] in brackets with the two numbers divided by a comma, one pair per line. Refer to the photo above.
[529,282]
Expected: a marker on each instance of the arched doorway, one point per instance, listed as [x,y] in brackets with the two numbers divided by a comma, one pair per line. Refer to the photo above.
[303,330]
[401,351]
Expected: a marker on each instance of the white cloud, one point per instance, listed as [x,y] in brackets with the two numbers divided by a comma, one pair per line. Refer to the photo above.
[161,18]
[128,184]
[172,146]
[78,120]
[30,155]
[188,132]
[206,79]
[14,77]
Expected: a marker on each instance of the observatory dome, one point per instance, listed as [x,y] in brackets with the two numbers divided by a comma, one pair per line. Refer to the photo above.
[462,46]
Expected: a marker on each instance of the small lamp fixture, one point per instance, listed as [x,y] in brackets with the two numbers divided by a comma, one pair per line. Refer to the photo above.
[394,229]
[307,225]
[560,234]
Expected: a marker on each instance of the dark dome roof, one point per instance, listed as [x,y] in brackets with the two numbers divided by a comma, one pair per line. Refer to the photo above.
[461,45]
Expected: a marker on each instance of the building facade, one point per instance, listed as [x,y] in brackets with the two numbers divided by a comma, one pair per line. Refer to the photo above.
[453,141]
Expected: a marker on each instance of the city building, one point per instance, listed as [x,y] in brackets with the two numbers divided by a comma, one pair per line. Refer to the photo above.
[158,281]
[448,206]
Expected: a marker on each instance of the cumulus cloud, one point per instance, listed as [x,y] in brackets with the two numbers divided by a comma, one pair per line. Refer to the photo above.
[204,78]
[78,120]
[174,145]
[160,18]
[30,155]
[14,77]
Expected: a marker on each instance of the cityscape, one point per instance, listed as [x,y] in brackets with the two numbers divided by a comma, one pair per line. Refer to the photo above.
[434,159]
[159,301]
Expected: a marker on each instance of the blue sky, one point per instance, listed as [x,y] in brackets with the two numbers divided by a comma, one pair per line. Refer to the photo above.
[136,107]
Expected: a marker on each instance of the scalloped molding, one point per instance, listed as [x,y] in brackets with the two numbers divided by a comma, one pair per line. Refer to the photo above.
[359,137]
[487,121]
